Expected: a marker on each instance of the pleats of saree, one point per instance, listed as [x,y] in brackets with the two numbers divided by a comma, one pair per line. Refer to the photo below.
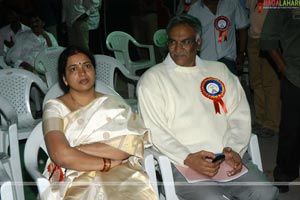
[126,181]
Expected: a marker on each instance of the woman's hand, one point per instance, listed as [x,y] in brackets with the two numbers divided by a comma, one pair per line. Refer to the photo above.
[234,160]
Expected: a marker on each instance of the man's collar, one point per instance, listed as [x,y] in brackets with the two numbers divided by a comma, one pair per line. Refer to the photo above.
[171,65]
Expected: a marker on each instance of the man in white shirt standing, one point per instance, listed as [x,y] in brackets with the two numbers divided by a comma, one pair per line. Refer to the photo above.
[220,20]
[196,108]
[80,16]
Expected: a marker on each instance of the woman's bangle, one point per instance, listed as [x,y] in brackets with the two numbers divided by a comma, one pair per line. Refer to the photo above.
[104,165]
[109,165]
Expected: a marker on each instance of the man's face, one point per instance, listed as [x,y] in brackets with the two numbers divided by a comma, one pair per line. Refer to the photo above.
[36,25]
[183,46]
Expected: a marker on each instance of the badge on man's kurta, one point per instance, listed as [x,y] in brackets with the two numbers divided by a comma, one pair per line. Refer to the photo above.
[222,24]
[214,89]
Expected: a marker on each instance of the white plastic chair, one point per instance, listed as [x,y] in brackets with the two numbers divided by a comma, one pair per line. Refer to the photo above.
[164,166]
[160,38]
[106,68]
[118,42]
[10,165]
[46,63]
[16,85]
[35,142]
[3,64]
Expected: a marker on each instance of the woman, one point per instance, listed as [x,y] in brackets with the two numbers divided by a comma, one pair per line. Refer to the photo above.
[94,140]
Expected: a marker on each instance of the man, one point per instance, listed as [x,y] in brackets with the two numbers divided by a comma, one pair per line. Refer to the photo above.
[8,33]
[264,79]
[220,19]
[195,109]
[28,44]
[80,17]
[281,37]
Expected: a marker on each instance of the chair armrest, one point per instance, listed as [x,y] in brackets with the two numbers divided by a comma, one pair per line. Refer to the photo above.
[42,184]
[254,151]
[8,112]
[166,173]
[149,165]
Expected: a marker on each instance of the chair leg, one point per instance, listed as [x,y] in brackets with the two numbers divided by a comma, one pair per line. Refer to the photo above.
[131,91]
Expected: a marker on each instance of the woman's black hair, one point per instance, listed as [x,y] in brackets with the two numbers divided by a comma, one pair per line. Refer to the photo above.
[63,59]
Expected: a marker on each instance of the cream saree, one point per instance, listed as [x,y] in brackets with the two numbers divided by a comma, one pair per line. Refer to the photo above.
[108,120]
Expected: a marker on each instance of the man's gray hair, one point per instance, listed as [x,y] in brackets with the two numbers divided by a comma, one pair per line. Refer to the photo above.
[185,19]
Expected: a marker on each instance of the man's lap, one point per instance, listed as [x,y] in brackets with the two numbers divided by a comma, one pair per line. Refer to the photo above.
[252,185]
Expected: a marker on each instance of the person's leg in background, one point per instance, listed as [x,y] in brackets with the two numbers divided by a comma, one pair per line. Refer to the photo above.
[78,34]
[288,159]
[271,88]
[264,82]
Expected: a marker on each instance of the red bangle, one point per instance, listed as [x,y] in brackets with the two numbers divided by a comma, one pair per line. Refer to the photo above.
[104,165]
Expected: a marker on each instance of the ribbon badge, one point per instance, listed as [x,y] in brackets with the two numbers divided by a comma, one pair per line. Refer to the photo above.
[222,24]
[259,5]
[214,89]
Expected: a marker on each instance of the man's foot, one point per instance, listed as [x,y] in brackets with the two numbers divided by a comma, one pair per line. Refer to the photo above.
[265,133]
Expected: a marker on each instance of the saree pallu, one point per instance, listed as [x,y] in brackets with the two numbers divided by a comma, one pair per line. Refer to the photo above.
[107,120]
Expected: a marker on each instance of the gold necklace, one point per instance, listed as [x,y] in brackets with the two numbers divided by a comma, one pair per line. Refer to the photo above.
[76,102]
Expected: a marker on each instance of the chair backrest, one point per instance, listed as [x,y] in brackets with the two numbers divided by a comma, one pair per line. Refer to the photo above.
[10,157]
[118,42]
[106,67]
[46,63]
[15,87]
[56,91]
[160,38]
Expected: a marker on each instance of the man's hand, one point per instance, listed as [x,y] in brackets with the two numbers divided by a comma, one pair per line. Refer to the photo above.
[234,160]
[202,162]
[10,43]
[27,66]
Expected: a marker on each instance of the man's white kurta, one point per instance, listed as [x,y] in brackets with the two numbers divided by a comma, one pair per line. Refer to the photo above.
[182,120]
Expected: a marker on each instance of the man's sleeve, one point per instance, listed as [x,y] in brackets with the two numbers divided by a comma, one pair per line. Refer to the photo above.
[241,18]
[152,106]
[238,133]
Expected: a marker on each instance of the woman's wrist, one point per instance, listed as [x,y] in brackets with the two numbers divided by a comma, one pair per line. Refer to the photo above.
[106,165]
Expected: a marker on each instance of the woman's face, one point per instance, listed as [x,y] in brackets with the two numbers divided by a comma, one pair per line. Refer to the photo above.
[79,73]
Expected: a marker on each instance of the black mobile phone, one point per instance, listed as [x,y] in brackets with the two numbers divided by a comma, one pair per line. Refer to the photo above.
[219,156]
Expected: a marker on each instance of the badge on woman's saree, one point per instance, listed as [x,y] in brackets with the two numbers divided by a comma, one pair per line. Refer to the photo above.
[214,89]
[222,24]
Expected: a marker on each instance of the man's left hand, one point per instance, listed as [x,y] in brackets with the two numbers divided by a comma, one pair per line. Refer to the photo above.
[234,160]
